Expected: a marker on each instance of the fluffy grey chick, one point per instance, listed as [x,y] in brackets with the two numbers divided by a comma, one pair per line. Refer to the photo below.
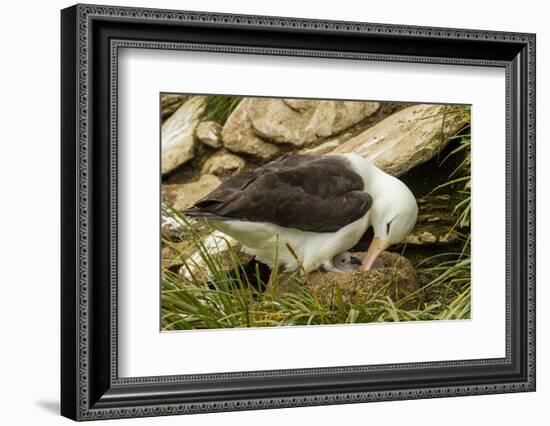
[343,262]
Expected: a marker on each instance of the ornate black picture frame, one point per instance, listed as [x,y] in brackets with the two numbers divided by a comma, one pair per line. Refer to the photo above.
[91,36]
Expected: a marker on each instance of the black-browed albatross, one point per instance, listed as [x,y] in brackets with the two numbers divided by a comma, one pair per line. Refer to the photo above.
[303,210]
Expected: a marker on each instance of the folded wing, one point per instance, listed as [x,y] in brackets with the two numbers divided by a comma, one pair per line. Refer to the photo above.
[310,193]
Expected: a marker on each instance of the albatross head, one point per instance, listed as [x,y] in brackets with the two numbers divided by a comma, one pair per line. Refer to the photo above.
[392,220]
[393,212]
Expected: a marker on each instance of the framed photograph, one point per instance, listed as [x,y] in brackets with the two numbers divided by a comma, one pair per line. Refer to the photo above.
[263,212]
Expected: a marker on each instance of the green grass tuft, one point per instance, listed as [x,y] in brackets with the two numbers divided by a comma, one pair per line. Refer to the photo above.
[218,108]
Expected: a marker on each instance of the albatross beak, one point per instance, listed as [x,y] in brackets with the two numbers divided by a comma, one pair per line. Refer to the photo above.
[376,247]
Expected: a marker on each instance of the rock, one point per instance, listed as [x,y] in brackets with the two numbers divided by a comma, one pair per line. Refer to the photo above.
[220,246]
[396,271]
[171,226]
[257,124]
[177,134]
[420,238]
[209,133]
[324,148]
[301,122]
[299,105]
[435,225]
[238,135]
[223,164]
[182,196]
[170,103]
[407,138]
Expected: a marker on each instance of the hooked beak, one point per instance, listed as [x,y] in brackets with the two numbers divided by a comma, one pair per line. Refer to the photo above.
[355,261]
[376,247]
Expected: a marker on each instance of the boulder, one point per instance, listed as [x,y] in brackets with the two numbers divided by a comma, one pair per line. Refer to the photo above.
[300,105]
[182,196]
[238,135]
[407,138]
[226,250]
[209,133]
[170,103]
[258,124]
[223,164]
[177,134]
[302,122]
[324,148]
[394,271]
[171,226]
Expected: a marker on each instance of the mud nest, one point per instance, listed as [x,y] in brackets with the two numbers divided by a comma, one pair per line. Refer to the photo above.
[393,276]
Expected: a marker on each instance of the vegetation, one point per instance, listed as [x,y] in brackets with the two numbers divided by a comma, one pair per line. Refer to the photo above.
[220,107]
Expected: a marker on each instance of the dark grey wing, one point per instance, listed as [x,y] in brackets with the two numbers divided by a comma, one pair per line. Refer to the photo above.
[310,193]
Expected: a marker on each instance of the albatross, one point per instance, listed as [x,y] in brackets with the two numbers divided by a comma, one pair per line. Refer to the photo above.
[304,211]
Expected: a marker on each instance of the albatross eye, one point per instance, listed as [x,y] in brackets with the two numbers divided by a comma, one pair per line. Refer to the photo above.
[388,226]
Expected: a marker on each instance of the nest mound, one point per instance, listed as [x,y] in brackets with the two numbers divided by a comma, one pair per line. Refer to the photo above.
[395,277]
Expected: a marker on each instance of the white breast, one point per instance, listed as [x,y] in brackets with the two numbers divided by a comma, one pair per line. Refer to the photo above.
[291,247]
